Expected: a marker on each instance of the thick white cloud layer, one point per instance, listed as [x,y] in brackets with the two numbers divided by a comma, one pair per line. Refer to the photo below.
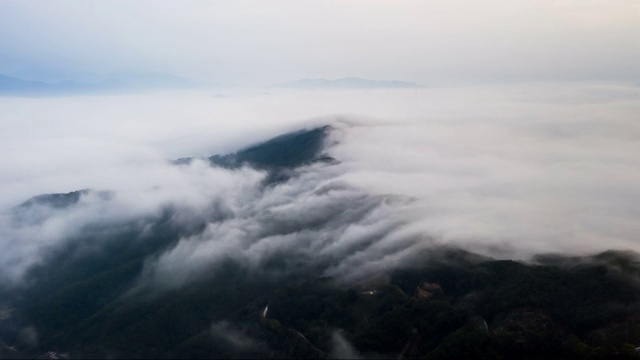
[505,171]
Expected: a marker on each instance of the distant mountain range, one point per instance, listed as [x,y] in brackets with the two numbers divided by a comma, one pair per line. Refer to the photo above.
[346,83]
[10,85]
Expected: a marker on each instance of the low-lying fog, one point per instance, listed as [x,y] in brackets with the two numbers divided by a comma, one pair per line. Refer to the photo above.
[507,171]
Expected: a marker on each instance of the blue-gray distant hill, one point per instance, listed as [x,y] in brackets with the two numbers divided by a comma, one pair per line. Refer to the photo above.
[17,86]
[10,85]
[347,83]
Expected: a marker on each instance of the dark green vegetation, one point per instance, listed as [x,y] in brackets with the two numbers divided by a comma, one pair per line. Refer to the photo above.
[87,298]
[56,201]
[450,307]
[285,151]
[279,156]
[61,201]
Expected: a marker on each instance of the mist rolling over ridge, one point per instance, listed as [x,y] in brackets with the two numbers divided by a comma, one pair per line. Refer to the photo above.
[363,190]
[447,180]
[369,190]
[518,172]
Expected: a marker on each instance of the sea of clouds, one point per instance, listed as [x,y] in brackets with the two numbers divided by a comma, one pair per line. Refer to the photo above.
[505,171]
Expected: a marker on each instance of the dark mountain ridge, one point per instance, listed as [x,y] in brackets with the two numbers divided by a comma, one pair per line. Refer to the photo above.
[85,300]
[279,155]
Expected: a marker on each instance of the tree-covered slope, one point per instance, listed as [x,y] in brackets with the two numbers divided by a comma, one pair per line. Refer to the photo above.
[95,294]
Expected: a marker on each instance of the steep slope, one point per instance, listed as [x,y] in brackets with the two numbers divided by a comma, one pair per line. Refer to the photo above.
[98,294]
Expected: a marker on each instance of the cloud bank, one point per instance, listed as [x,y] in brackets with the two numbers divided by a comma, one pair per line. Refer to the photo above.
[508,172]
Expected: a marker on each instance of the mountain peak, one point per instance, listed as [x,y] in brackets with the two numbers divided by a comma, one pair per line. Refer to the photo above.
[347,83]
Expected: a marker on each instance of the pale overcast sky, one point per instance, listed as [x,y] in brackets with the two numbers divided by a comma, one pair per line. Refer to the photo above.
[253,42]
